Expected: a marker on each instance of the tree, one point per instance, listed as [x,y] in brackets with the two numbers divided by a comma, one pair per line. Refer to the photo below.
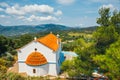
[109,63]
[86,64]
[107,19]
[3,44]
[72,67]
[108,43]
[23,40]
[104,36]
[107,32]
[81,65]
[115,20]
[104,17]
[3,67]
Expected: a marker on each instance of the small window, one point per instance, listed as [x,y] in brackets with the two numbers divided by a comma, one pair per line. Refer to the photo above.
[64,57]
[34,70]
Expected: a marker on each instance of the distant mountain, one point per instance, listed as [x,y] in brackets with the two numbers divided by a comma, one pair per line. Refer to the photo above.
[23,29]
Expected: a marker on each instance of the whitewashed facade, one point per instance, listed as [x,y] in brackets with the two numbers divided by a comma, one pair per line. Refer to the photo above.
[52,67]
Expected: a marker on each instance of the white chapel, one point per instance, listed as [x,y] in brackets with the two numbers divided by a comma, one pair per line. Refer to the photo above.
[41,56]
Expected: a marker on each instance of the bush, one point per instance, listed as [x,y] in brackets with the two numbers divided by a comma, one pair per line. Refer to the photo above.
[13,52]
[14,76]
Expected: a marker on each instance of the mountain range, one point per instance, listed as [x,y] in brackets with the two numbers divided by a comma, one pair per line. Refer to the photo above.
[23,29]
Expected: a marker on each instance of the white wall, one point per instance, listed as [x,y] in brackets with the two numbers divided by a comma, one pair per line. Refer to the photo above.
[51,56]
[40,70]
[22,67]
[52,69]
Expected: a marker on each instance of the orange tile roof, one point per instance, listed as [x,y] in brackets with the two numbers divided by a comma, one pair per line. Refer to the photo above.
[35,59]
[50,41]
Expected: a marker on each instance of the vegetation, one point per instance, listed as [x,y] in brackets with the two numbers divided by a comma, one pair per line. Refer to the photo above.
[100,52]
[108,59]
[109,62]
[14,76]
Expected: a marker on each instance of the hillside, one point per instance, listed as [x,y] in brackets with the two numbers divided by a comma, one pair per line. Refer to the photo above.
[23,29]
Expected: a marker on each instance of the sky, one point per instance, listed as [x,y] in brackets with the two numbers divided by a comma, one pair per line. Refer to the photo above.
[73,13]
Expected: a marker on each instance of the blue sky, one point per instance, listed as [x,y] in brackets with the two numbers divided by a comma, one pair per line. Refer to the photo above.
[66,12]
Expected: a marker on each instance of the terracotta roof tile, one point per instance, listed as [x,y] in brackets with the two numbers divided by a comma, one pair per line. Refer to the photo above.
[35,59]
[50,41]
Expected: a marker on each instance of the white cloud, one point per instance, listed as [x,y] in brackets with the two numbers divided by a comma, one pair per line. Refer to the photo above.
[80,24]
[38,8]
[33,12]
[3,4]
[65,2]
[17,10]
[38,18]
[2,16]
[1,9]
[108,6]
[21,17]
[58,13]
[14,10]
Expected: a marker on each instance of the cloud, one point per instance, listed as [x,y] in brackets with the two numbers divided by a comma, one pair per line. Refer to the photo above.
[80,24]
[3,4]
[1,9]
[108,6]
[58,13]
[38,8]
[65,2]
[14,10]
[32,12]
[17,10]
[21,17]
[38,18]
[2,16]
